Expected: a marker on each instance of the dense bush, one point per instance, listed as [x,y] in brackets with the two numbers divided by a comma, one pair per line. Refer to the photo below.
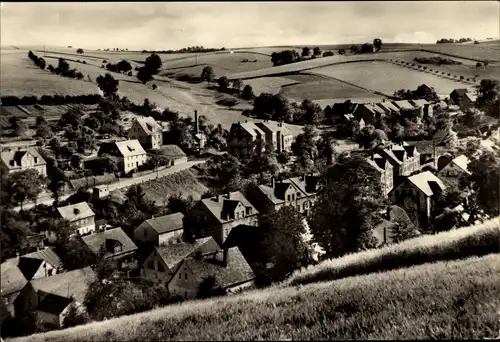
[436,60]
[51,100]
[327,53]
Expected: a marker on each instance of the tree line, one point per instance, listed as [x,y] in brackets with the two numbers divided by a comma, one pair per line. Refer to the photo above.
[190,49]
[451,40]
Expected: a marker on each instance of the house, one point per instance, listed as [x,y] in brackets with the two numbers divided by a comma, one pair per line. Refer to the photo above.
[309,185]
[388,107]
[403,104]
[457,94]
[130,153]
[392,216]
[12,283]
[160,265]
[277,135]
[228,268]
[115,244]
[173,154]
[242,138]
[425,107]
[147,131]
[370,113]
[41,263]
[455,169]
[417,192]
[217,215]
[468,101]
[404,158]
[279,194]
[384,169]
[52,310]
[80,216]
[163,230]
[338,111]
[21,160]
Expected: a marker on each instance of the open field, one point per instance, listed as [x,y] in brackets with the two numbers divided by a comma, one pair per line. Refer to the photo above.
[481,52]
[386,78]
[465,242]
[271,85]
[445,300]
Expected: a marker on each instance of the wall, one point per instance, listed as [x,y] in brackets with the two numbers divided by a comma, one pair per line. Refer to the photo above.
[43,271]
[149,270]
[451,170]
[51,319]
[145,233]
[170,237]
[180,160]
[181,285]
[86,225]
[132,162]
[240,287]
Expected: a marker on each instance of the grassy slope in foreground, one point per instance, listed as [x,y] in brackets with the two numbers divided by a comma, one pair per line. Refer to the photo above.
[450,300]
[465,242]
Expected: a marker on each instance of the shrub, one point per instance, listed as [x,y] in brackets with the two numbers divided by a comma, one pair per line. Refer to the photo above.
[129,73]
[154,86]
[461,77]
[420,67]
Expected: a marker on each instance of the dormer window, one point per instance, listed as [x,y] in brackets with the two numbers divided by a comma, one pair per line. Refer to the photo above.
[36,160]
[249,211]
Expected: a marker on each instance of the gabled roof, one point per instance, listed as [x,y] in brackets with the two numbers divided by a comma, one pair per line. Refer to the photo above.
[471,97]
[419,102]
[216,206]
[374,164]
[460,92]
[75,212]
[97,240]
[374,108]
[236,272]
[275,127]
[172,255]
[171,151]
[29,266]
[48,255]
[12,279]
[277,194]
[462,161]
[54,304]
[301,183]
[7,157]
[403,104]
[149,125]
[250,127]
[73,283]
[427,182]
[167,223]
[130,148]
[388,106]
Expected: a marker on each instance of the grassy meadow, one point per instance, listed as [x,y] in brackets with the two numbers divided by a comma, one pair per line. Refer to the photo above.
[444,300]
[465,242]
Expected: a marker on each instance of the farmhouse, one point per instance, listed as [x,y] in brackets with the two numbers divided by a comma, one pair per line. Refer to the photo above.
[115,244]
[277,135]
[370,113]
[130,153]
[20,160]
[227,268]
[173,154]
[417,192]
[457,94]
[161,264]
[80,215]
[147,131]
[384,169]
[242,138]
[163,230]
[217,215]
[455,169]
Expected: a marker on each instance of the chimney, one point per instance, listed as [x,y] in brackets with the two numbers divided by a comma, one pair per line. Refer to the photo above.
[273,182]
[76,211]
[196,123]
[218,198]
[17,254]
[225,256]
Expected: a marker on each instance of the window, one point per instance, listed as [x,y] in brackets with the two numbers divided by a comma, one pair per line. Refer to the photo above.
[288,197]
[293,197]
[298,208]
[50,272]
[237,216]
[298,194]
[185,276]
[242,213]
[180,275]
[36,160]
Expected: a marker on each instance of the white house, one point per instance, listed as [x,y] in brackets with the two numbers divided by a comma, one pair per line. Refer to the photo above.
[20,160]
[80,215]
[130,152]
[163,230]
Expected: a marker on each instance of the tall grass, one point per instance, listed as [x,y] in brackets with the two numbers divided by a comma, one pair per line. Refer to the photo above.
[476,240]
[445,300]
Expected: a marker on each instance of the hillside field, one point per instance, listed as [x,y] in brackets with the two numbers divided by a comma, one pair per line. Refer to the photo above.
[444,300]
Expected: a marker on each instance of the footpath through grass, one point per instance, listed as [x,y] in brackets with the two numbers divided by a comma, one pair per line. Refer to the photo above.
[465,242]
[444,300]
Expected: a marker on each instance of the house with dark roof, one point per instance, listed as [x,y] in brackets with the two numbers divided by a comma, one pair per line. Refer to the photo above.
[455,169]
[81,217]
[403,104]
[163,230]
[172,153]
[227,267]
[53,309]
[404,158]
[130,153]
[417,192]
[276,135]
[22,159]
[217,215]
[41,263]
[370,113]
[284,192]
[457,94]
[147,131]
[391,216]
[164,260]
[242,138]
[115,244]
[384,169]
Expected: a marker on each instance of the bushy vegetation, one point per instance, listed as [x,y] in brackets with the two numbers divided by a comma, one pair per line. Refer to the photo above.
[436,60]
[39,61]
[451,40]
[190,49]
[49,100]
[462,243]
[122,67]
[447,300]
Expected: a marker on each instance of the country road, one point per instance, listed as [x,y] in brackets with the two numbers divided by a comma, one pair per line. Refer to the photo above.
[47,199]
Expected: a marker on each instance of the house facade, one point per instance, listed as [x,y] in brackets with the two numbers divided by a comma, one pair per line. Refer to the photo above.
[218,215]
[424,106]
[12,283]
[276,135]
[130,153]
[417,192]
[404,158]
[21,160]
[42,263]
[242,139]
[369,113]
[147,131]
[163,230]
[384,169]
[455,169]
[81,217]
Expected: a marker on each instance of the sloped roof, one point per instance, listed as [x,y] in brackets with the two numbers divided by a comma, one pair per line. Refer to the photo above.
[462,161]
[375,109]
[29,266]
[419,102]
[96,240]
[216,207]
[68,212]
[7,156]
[471,97]
[167,223]
[48,255]
[171,151]
[130,148]
[373,164]
[460,91]
[237,270]
[174,254]
[73,283]
[403,104]
[12,279]
[424,181]
[54,304]
[251,128]
[149,125]
[387,106]
[275,127]
[300,183]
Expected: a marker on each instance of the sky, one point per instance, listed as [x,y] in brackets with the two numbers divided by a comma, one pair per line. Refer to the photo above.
[174,25]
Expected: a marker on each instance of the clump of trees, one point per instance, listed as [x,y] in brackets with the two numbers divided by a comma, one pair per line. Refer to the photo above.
[108,85]
[422,92]
[39,61]
[64,70]
[190,49]
[79,51]
[151,67]
[451,40]
[208,74]
[122,67]
[327,53]
[285,57]
[436,60]
[51,100]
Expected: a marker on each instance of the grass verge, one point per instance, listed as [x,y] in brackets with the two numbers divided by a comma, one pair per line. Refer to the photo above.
[476,240]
